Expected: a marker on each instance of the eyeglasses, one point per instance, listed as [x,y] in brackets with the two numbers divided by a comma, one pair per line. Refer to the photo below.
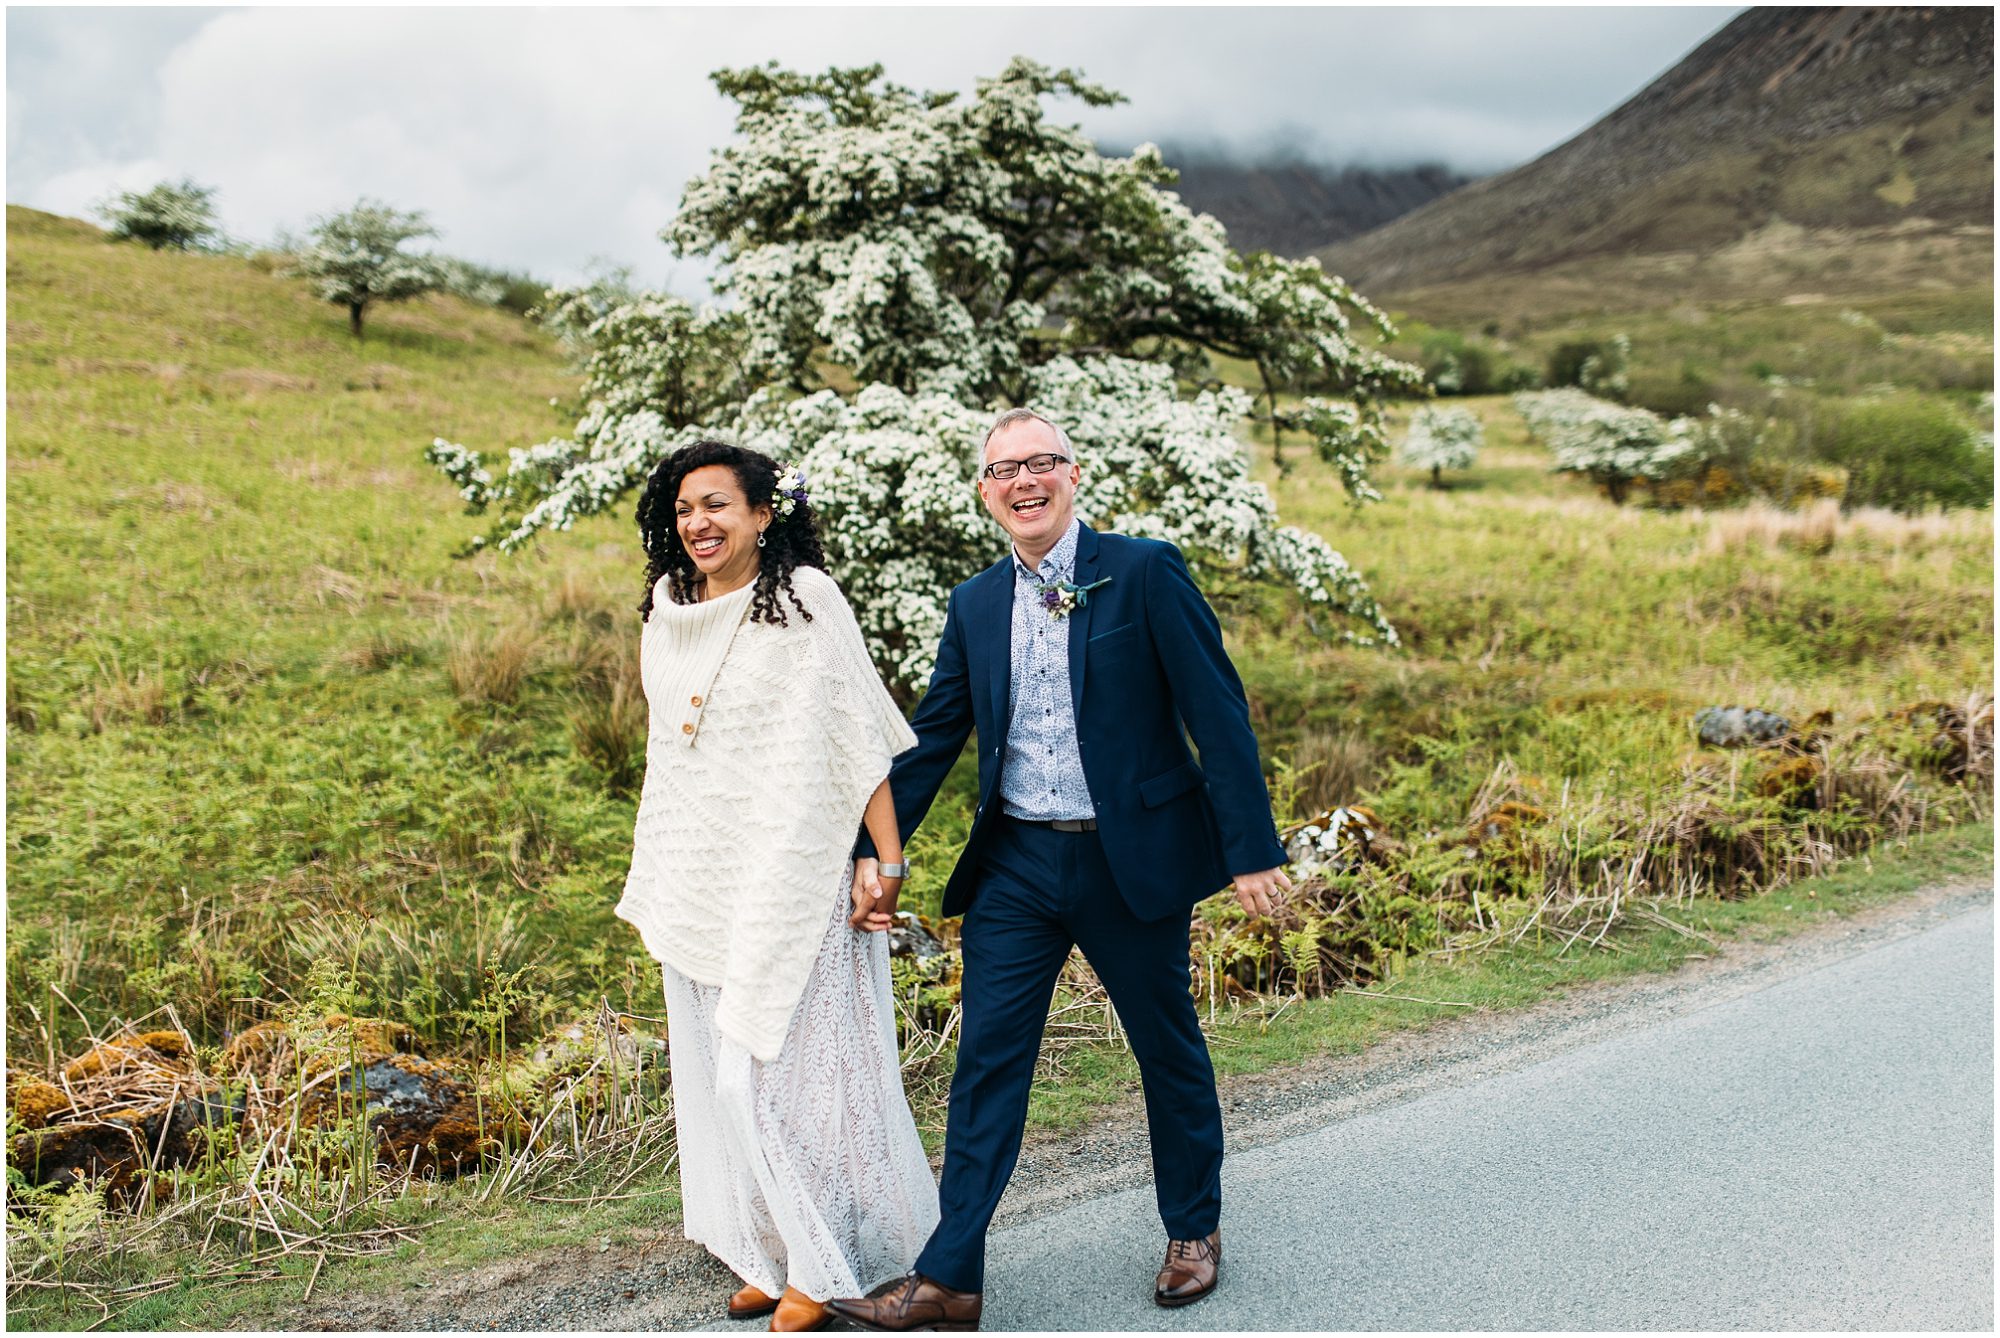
[1037,464]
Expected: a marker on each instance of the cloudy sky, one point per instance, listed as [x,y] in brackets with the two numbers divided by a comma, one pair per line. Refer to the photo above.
[546,139]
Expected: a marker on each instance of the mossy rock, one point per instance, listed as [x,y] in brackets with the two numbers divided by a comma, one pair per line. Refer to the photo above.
[425,1118]
[1946,736]
[33,1102]
[117,1148]
[147,1050]
[266,1049]
[1793,781]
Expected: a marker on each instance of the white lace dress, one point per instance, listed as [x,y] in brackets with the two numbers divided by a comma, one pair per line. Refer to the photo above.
[807,1170]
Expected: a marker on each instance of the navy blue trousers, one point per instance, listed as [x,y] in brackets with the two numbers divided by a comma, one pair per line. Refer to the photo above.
[1041,891]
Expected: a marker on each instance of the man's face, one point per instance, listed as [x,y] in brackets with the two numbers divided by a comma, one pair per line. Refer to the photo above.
[1034,509]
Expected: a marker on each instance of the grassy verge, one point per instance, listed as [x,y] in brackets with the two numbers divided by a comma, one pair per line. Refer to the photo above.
[461,1230]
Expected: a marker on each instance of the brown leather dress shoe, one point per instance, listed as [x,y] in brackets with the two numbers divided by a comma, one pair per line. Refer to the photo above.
[750,1303]
[799,1313]
[912,1301]
[1190,1271]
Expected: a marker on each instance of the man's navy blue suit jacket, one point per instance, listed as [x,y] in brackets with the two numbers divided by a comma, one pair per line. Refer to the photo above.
[1145,658]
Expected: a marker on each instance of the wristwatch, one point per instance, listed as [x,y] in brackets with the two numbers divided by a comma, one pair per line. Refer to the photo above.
[894,870]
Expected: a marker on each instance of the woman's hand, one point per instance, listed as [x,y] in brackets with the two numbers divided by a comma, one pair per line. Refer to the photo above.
[874,897]
[866,886]
[882,915]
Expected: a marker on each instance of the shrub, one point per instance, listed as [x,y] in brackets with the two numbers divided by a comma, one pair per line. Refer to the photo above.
[1600,366]
[1906,452]
[174,214]
[509,290]
[1679,396]
[1456,366]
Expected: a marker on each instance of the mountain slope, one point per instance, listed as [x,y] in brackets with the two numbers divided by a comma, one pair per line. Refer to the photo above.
[1294,207]
[1831,121]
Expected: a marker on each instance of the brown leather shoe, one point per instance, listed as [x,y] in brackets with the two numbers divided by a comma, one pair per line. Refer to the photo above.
[799,1313]
[912,1301]
[750,1303]
[1190,1271]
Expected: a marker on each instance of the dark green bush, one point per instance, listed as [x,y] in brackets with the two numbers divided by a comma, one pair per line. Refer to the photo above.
[1599,366]
[1687,395]
[1905,452]
[1456,365]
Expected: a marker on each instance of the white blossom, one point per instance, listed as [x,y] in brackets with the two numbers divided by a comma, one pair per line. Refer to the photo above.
[1613,444]
[901,266]
[1442,437]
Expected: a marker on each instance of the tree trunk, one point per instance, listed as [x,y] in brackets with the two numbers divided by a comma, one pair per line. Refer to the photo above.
[1437,477]
[354,317]
[1271,403]
[1618,485]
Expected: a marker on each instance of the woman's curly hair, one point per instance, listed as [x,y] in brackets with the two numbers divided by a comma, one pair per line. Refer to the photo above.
[790,542]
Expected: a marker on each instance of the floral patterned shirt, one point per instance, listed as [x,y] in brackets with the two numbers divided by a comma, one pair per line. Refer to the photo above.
[1041,776]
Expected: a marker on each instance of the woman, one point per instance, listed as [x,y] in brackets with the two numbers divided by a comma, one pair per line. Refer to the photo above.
[769,742]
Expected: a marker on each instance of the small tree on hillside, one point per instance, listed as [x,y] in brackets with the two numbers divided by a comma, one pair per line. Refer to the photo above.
[1442,438]
[174,214]
[355,259]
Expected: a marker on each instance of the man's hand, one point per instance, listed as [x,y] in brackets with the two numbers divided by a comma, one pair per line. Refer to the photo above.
[874,897]
[1261,893]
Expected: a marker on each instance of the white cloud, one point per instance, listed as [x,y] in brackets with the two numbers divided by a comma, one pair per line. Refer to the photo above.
[541,138]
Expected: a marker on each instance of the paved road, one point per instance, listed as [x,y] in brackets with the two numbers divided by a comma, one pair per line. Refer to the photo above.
[1814,1155]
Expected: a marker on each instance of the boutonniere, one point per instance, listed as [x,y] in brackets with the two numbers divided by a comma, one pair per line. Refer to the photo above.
[1062,598]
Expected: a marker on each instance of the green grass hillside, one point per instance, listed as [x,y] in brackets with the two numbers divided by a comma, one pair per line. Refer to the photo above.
[233,622]
[259,715]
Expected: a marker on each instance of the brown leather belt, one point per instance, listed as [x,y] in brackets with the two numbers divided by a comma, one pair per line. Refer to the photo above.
[1058,824]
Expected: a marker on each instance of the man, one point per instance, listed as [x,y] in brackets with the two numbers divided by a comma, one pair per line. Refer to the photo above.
[1077,659]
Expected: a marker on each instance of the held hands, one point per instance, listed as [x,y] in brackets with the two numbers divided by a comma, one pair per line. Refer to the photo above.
[1261,893]
[874,897]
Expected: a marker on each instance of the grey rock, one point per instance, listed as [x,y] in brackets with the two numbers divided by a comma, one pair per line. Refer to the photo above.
[1739,726]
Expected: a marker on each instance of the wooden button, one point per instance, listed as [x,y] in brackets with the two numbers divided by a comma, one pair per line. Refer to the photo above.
[694,701]
[688,728]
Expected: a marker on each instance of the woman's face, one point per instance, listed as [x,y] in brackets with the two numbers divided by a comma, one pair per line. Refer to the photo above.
[718,527]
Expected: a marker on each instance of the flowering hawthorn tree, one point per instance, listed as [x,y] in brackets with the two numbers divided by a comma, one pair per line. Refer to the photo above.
[356,259]
[1441,438]
[176,214]
[1610,443]
[902,264]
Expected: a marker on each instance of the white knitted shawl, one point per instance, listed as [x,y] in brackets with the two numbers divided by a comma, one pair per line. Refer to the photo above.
[763,746]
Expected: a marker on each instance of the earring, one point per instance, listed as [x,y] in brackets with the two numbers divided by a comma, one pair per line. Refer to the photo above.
[760,538]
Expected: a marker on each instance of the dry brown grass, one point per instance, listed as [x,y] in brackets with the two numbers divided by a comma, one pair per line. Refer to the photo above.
[1334,767]
[492,666]
[608,722]
[122,698]
[577,597]
[253,379]
[381,649]
[322,583]
[1821,527]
